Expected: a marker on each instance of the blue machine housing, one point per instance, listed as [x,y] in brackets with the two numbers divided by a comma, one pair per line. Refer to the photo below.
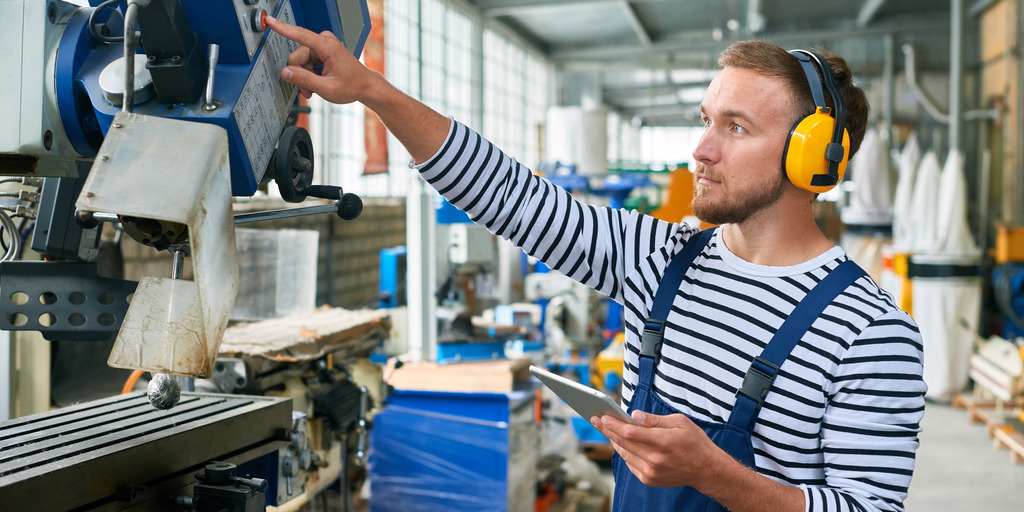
[392,276]
[454,451]
[1008,288]
[86,115]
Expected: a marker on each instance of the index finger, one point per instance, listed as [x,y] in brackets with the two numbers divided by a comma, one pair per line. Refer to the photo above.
[300,35]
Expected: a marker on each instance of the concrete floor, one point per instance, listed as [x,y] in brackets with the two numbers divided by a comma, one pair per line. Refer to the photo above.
[959,469]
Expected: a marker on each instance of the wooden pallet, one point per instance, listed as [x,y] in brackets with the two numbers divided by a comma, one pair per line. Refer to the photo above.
[988,413]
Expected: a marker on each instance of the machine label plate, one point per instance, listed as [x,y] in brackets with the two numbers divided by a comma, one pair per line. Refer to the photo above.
[262,108]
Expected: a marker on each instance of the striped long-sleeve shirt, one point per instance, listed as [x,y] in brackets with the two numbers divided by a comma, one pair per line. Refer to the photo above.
[842,418]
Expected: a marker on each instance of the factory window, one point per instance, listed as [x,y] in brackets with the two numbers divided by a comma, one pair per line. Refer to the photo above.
[539,75]
[447,61]
[516,85]
[432,53]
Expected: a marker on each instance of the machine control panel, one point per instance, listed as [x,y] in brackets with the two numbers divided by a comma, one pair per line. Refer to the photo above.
[262,108]
[252,20]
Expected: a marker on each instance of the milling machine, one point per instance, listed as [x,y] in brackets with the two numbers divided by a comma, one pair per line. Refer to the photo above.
[150,116]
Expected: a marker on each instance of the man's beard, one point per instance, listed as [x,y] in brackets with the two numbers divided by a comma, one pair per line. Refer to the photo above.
[735,209]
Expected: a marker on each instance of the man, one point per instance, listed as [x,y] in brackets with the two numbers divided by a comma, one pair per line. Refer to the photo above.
[837,429]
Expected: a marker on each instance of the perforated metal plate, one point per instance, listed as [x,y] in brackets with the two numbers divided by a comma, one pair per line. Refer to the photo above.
[62,300]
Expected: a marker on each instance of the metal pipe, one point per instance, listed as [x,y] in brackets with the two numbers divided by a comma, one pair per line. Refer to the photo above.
[209,105]
[128,98]
[985,173]
[247,218]
[178,263]
[956,72]
[105,217]
[7,226]
[908,52]
[988,114]
[421,263]
[889,90]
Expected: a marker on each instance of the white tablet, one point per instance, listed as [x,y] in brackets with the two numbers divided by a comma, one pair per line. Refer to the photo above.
[587,401]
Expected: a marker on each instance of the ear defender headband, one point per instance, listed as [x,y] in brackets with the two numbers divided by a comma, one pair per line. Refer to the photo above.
[818,147]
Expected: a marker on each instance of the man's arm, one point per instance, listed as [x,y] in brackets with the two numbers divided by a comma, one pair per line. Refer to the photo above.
[343,79]
[590,244]
[672,451]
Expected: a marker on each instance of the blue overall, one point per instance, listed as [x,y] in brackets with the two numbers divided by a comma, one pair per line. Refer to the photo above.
[732,436]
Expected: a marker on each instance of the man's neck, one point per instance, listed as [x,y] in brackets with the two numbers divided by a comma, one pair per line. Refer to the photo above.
[776,239]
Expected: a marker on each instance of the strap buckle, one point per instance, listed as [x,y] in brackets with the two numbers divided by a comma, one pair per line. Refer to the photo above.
[653,335]
[759,379]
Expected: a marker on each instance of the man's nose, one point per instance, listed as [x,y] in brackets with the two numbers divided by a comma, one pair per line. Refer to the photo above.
[707,148]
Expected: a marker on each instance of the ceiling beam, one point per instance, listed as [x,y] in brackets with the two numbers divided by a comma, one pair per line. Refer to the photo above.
[634,21]
[680,114]
[979,6]
[666,122]
[512,7]
[494,5]
[671,108]
[529,37]
[656,89]
[701,41]
[868,12]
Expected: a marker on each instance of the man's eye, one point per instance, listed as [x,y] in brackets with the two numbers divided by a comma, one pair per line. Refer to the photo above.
[707,122]
[738,129]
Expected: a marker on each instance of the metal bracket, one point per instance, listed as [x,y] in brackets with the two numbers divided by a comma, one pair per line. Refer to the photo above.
[172,325]
[62,300]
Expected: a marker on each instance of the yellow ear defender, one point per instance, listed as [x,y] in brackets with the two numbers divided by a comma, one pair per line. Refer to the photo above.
[818,147]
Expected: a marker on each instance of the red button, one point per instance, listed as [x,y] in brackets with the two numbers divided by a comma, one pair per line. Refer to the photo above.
[258,20]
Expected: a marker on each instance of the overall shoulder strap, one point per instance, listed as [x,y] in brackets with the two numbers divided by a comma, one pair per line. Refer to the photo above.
[654,326]
[763,370]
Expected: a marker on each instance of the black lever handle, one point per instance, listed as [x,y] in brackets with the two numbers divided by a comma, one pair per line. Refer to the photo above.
[349,206]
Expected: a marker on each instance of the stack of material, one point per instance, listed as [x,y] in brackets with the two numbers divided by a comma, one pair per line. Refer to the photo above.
[309,336]
[998,369]
[499,376]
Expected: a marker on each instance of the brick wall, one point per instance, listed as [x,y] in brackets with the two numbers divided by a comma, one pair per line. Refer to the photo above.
[349,253]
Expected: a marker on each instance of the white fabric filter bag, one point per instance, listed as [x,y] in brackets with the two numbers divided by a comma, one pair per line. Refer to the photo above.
[946,308]
[872,198]
[906,167]
[946,311]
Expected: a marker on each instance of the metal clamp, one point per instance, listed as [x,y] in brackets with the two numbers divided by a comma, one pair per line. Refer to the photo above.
[362,427]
